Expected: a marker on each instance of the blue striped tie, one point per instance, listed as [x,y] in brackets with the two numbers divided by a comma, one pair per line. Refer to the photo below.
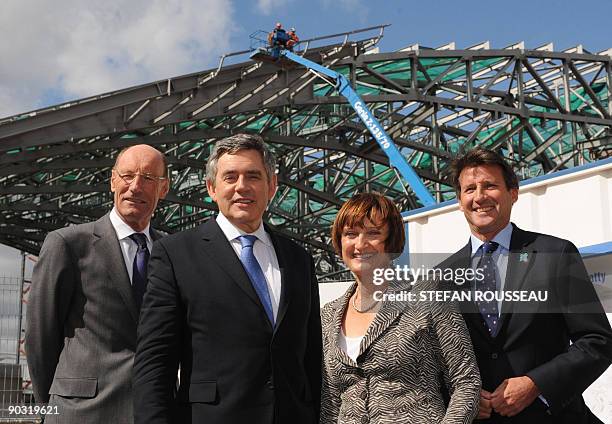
[253,269]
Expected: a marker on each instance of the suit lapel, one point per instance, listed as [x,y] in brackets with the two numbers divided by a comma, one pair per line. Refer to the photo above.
[337,327]
[383,319]
[520,261]
[155,235]
[107,248]
[216,246]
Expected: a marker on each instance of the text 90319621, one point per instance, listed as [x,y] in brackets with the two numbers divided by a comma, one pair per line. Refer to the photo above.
[30,410]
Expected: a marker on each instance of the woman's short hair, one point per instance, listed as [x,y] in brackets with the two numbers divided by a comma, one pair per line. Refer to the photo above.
[376,208]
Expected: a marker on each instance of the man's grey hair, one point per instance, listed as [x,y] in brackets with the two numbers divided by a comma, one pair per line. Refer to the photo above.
[232,145]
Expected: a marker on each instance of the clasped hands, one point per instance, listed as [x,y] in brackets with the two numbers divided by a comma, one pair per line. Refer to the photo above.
[511,397]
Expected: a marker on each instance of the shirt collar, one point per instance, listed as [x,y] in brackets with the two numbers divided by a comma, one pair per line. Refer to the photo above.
[123,230]
[232,232]
[502,238]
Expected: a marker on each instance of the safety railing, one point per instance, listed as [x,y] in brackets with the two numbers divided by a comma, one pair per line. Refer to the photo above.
[15,387]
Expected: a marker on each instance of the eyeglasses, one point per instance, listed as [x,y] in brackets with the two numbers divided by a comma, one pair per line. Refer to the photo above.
[129,177]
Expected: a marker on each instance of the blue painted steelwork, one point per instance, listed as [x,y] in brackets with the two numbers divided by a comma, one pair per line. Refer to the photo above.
[596,250]
[367,117]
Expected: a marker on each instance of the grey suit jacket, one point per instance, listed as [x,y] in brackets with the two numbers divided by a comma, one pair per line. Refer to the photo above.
[81,326]
[410,355]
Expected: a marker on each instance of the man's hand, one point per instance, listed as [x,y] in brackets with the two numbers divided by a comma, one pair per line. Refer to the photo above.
[514,395]
[484,408]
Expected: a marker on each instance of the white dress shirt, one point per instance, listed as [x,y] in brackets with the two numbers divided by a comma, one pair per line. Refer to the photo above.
[128,246]
[264,252]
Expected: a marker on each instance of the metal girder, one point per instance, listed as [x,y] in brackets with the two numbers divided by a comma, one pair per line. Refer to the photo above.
[386,81]
[108,113]
[36,207]
[54,189]
[21,243]
[451,103]
[314,194]
[22,233]
[547,110]
[426,53]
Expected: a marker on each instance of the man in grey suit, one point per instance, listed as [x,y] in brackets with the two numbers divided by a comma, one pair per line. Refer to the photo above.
[87,289]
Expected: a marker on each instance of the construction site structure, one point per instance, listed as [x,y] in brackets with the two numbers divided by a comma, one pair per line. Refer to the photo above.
[544,110]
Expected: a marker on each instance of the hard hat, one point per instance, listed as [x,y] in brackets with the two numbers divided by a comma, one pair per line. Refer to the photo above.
[278,25]
[292,30]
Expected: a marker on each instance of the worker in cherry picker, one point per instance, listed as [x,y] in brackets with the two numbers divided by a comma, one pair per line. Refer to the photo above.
[278,37]
[293,39]
[277,40]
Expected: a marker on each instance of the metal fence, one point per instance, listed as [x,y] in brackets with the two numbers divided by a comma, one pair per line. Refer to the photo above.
[15,384]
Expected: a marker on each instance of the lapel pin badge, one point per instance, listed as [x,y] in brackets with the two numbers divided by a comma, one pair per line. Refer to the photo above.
[524,257]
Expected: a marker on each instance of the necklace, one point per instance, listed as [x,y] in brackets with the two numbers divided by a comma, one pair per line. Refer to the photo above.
[361,311]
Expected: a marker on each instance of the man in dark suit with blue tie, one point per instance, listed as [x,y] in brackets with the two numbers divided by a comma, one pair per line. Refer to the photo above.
[535,358]
[87,289]
[234,306]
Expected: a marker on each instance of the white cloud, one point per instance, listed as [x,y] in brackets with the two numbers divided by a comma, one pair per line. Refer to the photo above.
[71,48]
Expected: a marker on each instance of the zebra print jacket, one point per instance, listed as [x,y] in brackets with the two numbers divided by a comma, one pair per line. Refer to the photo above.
[410,357]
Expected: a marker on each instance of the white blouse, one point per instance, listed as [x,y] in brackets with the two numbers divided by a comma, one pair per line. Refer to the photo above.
[350,345]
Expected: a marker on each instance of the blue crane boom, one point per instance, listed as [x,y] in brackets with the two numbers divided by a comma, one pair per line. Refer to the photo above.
[343,86]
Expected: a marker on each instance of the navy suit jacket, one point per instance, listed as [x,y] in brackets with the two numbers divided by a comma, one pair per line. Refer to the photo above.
[534,338]
[201,311]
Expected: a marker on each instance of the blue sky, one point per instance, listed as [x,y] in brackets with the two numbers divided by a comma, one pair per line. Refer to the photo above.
[69,49]
[437,22]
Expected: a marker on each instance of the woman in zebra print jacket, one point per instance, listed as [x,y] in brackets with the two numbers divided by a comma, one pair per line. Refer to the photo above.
[390,362]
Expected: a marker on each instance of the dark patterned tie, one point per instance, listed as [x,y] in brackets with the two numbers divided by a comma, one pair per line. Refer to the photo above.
[139,269]
[488,309]
[253,269]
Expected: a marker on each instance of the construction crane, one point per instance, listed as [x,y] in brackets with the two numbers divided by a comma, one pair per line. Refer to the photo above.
[282,57]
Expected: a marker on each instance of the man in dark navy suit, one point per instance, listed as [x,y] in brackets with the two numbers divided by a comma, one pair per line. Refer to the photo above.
[236,305]
[535,359]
